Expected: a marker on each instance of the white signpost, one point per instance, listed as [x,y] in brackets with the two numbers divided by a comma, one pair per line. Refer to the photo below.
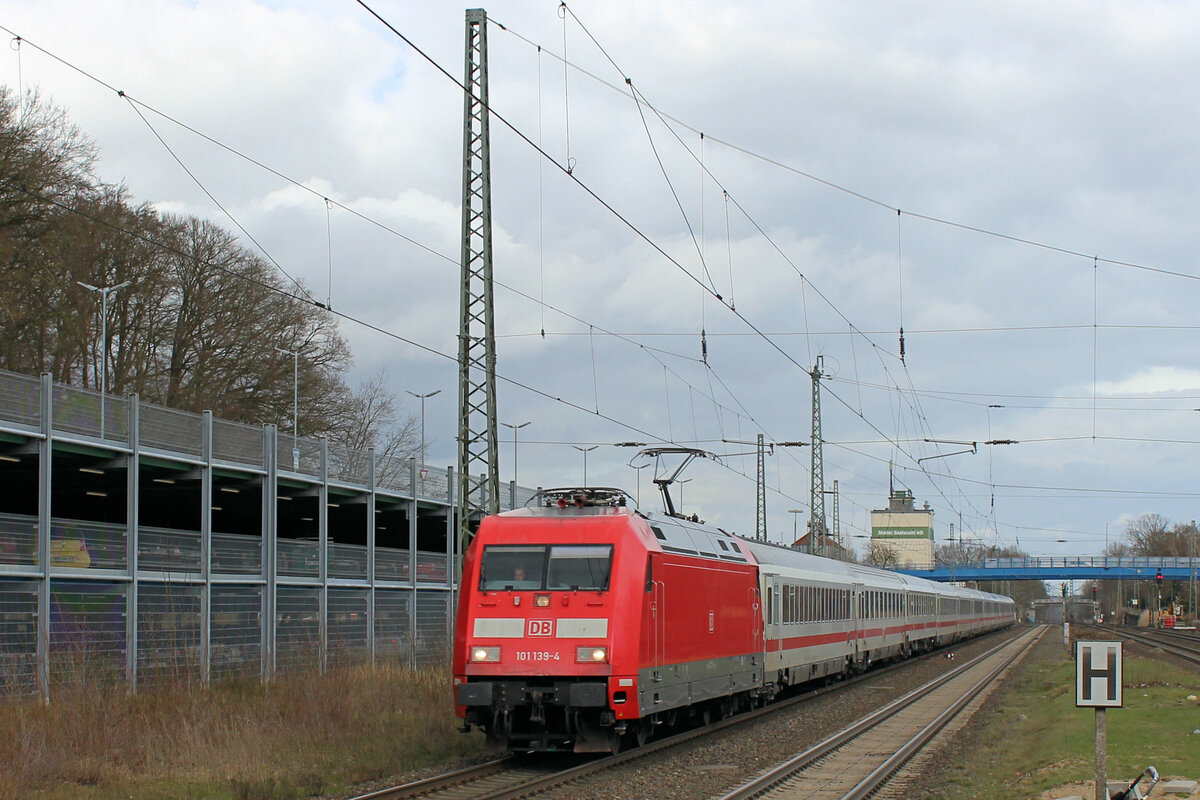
[1098,685]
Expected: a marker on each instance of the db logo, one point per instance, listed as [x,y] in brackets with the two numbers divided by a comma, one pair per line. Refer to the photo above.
[539,627]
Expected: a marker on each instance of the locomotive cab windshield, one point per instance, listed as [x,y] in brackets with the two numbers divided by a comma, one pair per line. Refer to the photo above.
[561,567]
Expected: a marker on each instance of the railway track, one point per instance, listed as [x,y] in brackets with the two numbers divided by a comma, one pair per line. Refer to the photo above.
[490,779]
[519,776]
[859,760]
[1180,644]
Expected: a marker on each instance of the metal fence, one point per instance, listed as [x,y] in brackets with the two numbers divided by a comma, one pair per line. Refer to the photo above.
[81,597]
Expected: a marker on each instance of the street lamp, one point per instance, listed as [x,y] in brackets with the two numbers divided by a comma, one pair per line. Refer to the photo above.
[681,482]
[104,291]
[795,523]
[422,397]
[295,406]
[585,451]
[515,428]
[638,470]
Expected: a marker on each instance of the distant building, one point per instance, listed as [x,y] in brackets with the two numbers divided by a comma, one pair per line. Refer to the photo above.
[827,546]
[905,530]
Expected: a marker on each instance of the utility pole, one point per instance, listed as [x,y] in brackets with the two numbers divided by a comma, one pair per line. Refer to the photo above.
[816,525]
[760,506]
[478,470]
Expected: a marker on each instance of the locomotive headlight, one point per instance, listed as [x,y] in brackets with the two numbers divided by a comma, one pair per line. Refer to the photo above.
[541,601]
[485,655]
[591,655]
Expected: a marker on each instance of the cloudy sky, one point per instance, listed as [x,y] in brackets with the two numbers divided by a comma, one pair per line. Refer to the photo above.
[1014,184]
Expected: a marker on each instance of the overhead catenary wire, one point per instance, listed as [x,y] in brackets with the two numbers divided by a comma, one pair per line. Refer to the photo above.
[139,106]
[339,314]
[918,413]
[631,92]
[591,332]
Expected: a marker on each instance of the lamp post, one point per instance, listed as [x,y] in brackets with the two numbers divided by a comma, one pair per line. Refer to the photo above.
[681,482]
[422,397]
[795,522]
[638,470]
[295,405]
[104,291]
[515,428]
[585,451]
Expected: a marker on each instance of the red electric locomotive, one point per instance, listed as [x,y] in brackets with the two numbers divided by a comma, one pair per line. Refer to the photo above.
[581,621]
[560,639]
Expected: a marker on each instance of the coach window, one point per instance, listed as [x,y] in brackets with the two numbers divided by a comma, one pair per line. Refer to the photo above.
[585,566]
[512,567]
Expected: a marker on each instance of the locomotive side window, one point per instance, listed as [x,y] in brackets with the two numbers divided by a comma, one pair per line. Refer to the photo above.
[585,566]
[512,567]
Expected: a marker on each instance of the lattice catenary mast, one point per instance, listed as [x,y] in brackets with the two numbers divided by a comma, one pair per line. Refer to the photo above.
[478,468]
[816,523]
[760,516]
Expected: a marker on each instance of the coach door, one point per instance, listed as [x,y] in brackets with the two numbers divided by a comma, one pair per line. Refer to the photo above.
[771,618]
[856,619]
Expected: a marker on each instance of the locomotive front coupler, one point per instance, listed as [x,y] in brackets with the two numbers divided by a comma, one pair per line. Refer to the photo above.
[536,712]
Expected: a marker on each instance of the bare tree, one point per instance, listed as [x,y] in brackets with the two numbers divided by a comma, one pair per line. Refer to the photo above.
[1149,535]
[370,417]
[203,321]
[882,556]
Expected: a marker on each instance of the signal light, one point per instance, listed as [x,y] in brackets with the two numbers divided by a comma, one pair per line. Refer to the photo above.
[1159,578]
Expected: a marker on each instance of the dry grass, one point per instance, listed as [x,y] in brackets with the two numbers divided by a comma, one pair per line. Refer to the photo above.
[300,735]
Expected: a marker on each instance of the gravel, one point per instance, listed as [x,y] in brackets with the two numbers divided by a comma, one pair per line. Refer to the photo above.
[710,767]
[719,763]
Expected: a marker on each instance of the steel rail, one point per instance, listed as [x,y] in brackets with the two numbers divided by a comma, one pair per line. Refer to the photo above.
[566,776]
[776,775]
[545,782]
[1189,652]
[887,769]
[437,782]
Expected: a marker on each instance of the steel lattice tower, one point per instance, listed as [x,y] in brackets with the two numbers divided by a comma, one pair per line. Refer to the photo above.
[760,515]
[837,527]
[816,523]
[478,469]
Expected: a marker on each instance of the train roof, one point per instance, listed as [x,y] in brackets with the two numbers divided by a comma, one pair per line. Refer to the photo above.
[677,534]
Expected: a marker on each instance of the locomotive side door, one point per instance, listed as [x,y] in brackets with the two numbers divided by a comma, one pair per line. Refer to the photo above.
[658,612]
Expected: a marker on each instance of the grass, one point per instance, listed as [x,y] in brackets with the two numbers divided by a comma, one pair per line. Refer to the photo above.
[301,735]
[1036,739]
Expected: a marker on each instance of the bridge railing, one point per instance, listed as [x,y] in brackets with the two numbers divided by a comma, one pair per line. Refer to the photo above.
[1058,562]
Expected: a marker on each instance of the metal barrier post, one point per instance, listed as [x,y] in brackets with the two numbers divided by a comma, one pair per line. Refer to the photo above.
[323,556]
[270,503]
[132,467]
[45,456]
[371,524]
[412,560]
[451,564]
[206,504]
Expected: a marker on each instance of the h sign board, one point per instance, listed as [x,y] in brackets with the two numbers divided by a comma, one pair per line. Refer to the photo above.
[1098,674]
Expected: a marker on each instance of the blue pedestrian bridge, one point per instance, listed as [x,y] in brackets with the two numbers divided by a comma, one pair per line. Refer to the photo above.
[1060,568]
